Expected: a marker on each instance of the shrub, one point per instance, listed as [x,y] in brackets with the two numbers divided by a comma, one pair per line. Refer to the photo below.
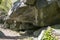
[48,35]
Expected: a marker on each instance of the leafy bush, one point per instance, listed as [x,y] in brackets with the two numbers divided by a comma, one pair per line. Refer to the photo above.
[5,5]
[48,35]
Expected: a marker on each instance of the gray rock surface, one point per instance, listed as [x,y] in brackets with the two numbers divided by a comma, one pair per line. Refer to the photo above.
[40,14]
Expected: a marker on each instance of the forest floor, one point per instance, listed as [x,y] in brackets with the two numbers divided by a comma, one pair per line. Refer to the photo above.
[7,34]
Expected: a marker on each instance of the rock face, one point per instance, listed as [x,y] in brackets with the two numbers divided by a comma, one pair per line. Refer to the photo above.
[40,13]
[49,15]
[30,2]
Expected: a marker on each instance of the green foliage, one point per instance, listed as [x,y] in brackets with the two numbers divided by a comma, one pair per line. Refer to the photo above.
[48,35]
[5,5]
[0,1]
[3,8]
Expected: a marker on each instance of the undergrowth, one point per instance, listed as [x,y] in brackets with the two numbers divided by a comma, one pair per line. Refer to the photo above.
[48,35]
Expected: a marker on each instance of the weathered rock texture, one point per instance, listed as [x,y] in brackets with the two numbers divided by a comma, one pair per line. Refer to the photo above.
[40,13]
